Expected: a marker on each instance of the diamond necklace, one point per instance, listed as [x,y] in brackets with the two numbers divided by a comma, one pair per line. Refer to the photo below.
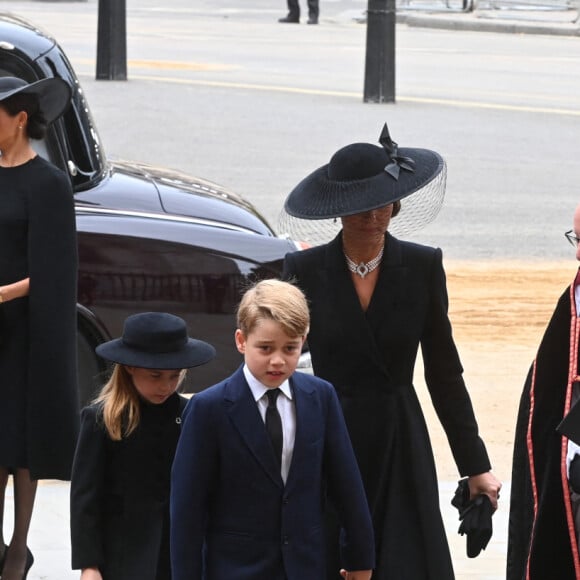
[364,268]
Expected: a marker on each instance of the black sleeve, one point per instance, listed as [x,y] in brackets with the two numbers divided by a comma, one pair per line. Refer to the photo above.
[444,379]
[53,405]
[86,493]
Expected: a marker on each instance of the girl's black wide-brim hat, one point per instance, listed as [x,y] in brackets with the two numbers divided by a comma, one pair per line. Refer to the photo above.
[361,177]
[156,340]
[53,94]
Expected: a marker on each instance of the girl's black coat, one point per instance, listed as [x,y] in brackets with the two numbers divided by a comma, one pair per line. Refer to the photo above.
[120,494]
[370,359]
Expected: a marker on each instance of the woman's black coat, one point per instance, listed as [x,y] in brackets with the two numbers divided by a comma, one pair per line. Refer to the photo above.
[120,494]
[370,357]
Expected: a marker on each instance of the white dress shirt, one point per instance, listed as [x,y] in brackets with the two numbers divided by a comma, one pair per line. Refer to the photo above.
[285,406]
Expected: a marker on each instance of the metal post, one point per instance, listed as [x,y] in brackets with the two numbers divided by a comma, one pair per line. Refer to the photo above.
[112,41]
[380,52]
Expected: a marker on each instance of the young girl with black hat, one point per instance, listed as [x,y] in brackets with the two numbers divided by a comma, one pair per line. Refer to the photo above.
[121,470]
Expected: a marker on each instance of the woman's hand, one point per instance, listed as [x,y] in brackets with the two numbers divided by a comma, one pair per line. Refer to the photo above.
[356,574]
[91,574]
[487,484]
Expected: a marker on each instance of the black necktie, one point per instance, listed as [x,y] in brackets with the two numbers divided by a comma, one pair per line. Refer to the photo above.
[274,424]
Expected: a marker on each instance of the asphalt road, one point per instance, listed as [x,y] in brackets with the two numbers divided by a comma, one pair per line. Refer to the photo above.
[221,90]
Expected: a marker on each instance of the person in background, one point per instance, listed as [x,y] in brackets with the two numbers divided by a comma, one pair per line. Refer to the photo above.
[293,15]
[259,454]
[374,301]
[119,500]
[39,409]
[544,521]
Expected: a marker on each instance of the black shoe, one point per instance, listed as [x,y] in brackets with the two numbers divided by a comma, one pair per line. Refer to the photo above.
[290,19]
[27,566]
[313,20]
[29,562]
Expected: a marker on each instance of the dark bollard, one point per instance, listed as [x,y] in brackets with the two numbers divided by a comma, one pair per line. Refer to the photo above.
[380,52]
[112,41]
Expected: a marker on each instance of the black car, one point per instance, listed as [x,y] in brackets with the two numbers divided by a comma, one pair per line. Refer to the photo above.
[150,239]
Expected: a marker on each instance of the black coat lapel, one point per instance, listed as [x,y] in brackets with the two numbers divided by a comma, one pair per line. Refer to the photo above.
[384,299]
[390,282]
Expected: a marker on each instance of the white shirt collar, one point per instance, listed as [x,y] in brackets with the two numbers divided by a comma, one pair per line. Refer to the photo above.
[259,390]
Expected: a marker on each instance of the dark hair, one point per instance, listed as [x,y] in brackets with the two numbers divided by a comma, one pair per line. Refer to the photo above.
[396,208]
[37,125]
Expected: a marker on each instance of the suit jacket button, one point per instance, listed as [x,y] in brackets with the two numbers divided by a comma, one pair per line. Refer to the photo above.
[285,540]
[285,500]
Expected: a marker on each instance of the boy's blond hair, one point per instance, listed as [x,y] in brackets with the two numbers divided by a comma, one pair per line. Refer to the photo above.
[274,300]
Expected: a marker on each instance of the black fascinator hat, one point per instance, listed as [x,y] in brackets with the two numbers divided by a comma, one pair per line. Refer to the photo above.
[361,177]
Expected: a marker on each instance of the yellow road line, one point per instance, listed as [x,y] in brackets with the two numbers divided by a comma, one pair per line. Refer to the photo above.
[173,65]
[347,94]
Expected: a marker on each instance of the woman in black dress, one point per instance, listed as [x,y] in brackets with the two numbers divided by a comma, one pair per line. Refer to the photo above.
[374,300]
[38,392]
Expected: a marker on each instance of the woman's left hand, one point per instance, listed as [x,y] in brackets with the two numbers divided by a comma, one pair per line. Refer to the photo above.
[487,484]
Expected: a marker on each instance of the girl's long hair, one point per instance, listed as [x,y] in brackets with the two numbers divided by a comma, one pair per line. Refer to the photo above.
[119,398]
[120,404]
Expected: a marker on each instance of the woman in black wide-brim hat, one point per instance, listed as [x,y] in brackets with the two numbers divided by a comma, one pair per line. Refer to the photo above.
[38,258]
[374,301]
[121,471]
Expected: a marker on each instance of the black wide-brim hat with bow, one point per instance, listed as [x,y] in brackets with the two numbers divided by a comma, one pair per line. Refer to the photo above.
[156,340]
[361,177]
[53,94]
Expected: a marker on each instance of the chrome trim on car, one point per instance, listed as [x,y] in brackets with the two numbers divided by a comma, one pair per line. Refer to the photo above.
[164,217]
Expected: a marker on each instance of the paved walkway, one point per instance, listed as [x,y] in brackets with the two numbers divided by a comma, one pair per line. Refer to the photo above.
[49,536]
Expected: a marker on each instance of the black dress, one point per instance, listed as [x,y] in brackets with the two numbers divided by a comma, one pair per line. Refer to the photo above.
[369,357]
[38,389]
[120,494]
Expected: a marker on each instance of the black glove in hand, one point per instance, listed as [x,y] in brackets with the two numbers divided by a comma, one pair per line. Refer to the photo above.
[475,516]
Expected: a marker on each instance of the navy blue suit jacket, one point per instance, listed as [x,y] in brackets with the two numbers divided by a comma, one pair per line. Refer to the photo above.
[231,514]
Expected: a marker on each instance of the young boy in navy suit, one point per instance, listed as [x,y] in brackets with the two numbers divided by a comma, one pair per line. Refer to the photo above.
[259,454]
